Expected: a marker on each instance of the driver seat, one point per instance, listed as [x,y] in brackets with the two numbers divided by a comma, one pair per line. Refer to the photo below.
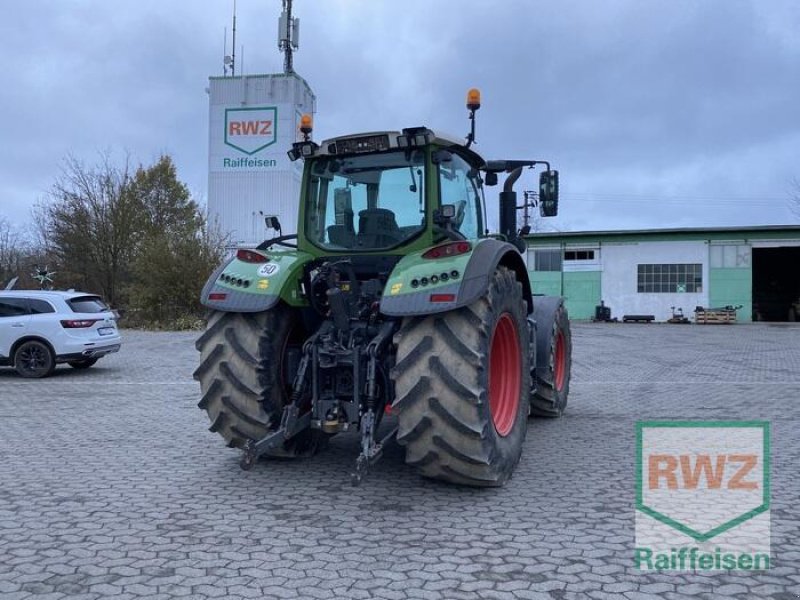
[377,228]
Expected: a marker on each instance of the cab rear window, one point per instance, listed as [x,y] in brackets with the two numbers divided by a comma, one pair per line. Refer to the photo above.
[87,304]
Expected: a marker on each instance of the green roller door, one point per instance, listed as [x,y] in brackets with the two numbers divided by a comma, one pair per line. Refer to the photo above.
[547,283]
[582,293]
[732,286]
[581,290]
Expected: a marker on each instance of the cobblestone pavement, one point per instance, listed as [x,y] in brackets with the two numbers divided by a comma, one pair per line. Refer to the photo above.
[111,486]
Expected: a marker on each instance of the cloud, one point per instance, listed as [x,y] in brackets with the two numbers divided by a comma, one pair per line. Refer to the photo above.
[643,106]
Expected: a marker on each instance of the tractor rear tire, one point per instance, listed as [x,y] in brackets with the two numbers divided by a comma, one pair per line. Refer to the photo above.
[553,357]
[243,377]
[462,381]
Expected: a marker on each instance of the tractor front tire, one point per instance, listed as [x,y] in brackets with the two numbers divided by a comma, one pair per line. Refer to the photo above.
[462,381]
[243,378]
[553,357]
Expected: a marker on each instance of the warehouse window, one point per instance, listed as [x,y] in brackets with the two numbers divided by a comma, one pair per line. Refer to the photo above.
[547,260]
[669,279]
[579,255]
[730,256]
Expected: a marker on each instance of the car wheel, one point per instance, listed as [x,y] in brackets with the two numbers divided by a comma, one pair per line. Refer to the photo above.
[34,359]
[82,364]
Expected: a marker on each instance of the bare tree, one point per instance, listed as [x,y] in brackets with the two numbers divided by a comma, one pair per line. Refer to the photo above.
[13,251]
[92,224]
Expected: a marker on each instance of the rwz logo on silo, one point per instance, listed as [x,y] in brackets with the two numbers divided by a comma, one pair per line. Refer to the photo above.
[251,129]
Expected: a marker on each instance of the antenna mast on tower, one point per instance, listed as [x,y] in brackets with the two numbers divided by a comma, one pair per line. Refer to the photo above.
[229,61]
[288,35]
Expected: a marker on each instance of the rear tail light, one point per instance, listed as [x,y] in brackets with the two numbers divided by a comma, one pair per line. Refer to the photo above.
[217,296]
[78,323]
[251,256]
[443,298]
[447,250]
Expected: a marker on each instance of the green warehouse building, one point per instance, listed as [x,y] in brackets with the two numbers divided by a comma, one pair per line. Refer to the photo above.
[650,271]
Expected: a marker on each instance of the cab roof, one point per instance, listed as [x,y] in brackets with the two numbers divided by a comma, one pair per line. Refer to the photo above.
[438,137]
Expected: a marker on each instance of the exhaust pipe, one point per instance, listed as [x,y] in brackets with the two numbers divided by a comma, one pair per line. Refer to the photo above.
[508,206]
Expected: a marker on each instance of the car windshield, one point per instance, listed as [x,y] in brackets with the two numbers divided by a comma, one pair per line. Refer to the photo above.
[366,202]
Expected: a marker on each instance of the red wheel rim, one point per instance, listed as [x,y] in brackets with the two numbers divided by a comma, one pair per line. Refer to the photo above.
[505,375]
[560,362]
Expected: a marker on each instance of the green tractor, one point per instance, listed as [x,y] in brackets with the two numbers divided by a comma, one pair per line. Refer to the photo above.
[393,306]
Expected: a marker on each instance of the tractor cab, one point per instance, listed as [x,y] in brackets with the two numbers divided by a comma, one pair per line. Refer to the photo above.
[389,192]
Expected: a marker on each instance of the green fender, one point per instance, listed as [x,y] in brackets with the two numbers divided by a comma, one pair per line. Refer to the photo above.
[468,277]
[238,286]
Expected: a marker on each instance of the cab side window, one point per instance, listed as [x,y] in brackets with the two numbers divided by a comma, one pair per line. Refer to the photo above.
[13,307]
[459,186]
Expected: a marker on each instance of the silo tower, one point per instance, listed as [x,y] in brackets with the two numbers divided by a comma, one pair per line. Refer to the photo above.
[253,121]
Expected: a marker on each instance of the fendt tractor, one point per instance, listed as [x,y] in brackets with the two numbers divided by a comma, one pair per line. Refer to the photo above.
[392,312]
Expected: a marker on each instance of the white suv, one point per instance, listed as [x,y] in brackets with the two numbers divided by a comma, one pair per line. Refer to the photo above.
[39,329]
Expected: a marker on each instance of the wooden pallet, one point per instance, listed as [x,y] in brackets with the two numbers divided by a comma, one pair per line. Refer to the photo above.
[714,317]
[638,318]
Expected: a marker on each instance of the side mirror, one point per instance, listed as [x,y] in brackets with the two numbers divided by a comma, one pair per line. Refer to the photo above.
[548,193]
[490,179]
[272,222]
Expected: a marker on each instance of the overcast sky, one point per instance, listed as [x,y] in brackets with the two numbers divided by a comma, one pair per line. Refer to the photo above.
[679,113]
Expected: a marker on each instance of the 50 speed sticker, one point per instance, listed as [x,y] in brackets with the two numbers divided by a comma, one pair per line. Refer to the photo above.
[268,269]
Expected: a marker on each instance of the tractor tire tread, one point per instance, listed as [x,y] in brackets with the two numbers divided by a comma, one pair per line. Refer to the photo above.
[441,382]
[547,401]
[232,384]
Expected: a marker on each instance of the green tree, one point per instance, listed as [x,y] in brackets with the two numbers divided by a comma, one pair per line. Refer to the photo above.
[177,251]
[166,203]
[138,239]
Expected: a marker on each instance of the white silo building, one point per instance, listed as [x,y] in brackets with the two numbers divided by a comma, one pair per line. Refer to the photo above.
[253,122]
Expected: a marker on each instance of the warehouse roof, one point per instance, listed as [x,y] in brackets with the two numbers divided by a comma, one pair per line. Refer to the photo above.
[685,233]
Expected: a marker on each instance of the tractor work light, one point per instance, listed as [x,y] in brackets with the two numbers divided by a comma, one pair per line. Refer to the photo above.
[413,137]
[305,149]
